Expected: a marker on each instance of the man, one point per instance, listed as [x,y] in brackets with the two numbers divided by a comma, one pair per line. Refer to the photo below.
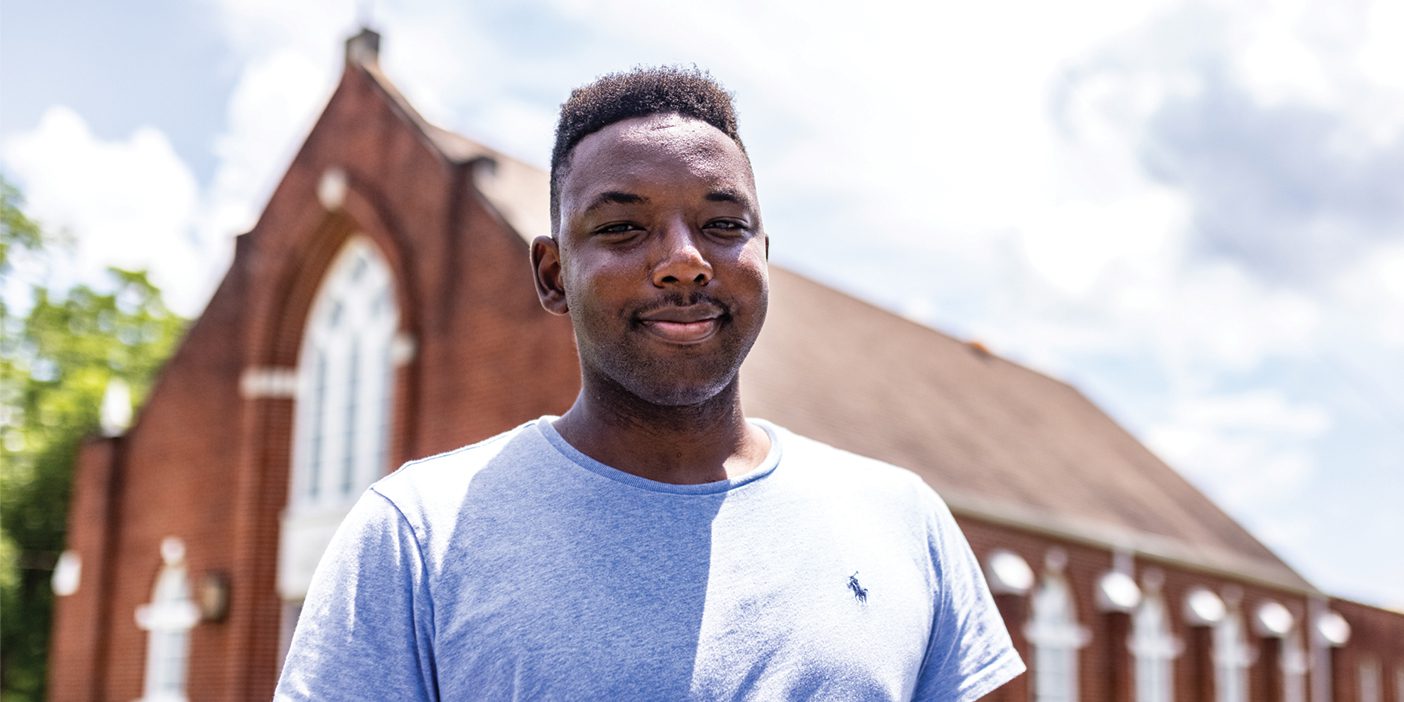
[651,543]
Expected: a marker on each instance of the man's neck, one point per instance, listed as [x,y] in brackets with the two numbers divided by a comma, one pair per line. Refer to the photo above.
[684,445]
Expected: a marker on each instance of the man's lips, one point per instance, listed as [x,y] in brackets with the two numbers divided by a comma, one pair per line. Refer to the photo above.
[683,324]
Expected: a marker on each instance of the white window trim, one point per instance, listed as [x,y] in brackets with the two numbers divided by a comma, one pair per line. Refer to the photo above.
[1368,679]
[1294,664]
[343,406]
[341,442]
[168,619]
[1054,633]
[1232,659]
[1155,648]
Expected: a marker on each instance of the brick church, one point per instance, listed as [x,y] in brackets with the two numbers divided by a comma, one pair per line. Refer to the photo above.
[381,310]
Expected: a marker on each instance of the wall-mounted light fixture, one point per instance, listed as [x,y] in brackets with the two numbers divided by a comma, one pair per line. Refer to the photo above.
[212,596]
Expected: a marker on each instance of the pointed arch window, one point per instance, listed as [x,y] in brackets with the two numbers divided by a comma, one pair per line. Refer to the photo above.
[168,619]
[1154,647]
[1056,637]
[345,376]
[1232,657]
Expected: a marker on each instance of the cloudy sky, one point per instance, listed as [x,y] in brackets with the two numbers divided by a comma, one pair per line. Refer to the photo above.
[1192,211]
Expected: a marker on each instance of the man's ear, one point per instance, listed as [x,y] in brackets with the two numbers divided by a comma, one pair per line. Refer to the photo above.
[546,267]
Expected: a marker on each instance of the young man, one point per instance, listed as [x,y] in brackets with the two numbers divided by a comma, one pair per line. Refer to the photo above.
[651,543]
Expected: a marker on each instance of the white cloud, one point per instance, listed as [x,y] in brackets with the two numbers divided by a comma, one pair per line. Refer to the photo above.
[134,202]
[1372,291]
[1284,52]
[1380,51]
[308,27]
[1083,246]
[1256,411]
[1251,448]
[128,202]
[270,112]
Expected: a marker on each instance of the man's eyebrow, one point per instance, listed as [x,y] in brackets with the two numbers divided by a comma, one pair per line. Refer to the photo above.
[615,197]
[727,195]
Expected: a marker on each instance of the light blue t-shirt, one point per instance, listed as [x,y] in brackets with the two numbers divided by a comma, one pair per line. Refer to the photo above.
[520,568]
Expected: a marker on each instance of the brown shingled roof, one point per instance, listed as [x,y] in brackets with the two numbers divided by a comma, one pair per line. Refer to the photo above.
[1000,442]
[997,440]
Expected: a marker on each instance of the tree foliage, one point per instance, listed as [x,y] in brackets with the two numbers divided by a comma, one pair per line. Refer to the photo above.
[58,352]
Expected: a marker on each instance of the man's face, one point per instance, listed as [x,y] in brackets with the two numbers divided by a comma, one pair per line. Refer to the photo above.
[660,258]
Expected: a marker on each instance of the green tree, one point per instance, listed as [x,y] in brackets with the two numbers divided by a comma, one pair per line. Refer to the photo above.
[57,356]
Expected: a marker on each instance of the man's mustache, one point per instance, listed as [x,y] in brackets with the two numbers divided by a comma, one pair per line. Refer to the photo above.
[678,299]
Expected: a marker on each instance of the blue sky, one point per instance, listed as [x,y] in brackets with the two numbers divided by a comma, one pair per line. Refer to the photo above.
[1193,212]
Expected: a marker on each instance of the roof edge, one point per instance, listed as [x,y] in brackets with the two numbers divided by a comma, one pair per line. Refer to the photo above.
[427,132]
[975,344]
[1166,550]
[503,198]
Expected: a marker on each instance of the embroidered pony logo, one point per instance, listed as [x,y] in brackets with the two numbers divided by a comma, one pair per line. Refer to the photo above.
[860,593]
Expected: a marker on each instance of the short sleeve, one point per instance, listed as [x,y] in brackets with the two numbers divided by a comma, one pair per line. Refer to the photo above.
[366,627]
[969,653]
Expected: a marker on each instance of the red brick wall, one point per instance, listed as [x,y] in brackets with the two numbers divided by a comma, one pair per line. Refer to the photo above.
[75,654]
[1105,665]
[465,298]
[172,480]
[1376,634]
[211,467]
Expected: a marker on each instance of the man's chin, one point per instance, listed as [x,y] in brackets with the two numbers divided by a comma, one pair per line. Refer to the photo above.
[673,391]
[664,383]
[681,397]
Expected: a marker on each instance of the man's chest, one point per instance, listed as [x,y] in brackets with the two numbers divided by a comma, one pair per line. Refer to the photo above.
[797,605]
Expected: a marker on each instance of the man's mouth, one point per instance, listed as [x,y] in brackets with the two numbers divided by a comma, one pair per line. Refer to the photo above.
[688,324]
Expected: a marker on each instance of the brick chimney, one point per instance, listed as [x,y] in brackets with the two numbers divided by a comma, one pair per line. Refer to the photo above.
[364,47]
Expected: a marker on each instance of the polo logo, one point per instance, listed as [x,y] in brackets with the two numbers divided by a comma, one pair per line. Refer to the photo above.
[860,593]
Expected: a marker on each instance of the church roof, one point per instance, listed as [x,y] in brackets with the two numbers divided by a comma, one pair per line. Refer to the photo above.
[1000,442]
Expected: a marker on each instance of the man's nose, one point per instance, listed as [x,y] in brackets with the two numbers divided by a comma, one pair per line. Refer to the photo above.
[681,262]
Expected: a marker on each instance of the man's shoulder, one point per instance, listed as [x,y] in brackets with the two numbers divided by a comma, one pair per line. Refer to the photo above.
[449,476]
[854,473]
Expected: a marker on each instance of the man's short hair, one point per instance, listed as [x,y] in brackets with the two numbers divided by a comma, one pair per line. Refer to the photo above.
[643,91]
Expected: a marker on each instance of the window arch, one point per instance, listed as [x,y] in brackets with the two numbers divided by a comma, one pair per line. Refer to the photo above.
[1056,637]
[1154,647]
[1232,657]
[168,619]
[345,382]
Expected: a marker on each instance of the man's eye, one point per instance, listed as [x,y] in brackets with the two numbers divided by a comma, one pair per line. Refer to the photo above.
[617,228]
[729,226]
